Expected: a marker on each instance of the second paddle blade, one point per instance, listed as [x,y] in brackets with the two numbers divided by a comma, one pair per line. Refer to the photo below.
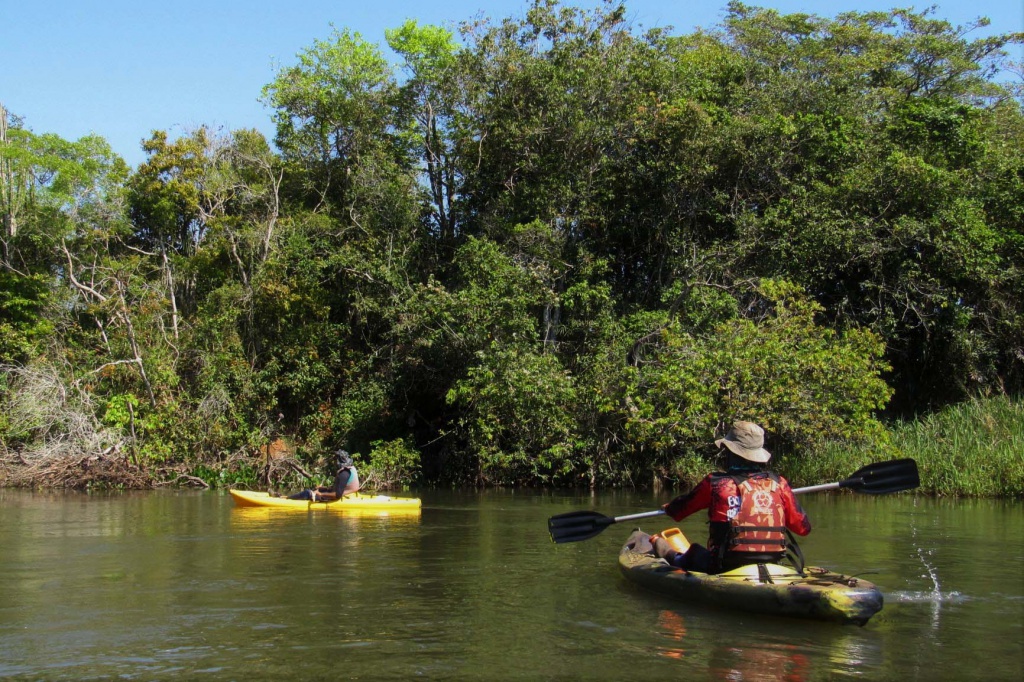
[576,526]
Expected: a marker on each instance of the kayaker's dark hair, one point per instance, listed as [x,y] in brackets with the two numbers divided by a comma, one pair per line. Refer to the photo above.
[734,462]
[343,459]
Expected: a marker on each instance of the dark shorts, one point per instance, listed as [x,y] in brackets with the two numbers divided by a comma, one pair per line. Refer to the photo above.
[696,558]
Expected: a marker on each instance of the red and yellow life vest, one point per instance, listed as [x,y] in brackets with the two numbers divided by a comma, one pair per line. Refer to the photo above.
[760,522]
[753,513]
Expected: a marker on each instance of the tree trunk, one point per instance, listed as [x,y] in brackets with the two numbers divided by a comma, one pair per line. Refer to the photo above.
[6,189]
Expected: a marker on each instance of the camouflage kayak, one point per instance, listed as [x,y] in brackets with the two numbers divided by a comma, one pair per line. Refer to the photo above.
[815,593]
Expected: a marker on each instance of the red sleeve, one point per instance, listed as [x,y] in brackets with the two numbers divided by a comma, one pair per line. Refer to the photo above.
[695,500]
[796,517]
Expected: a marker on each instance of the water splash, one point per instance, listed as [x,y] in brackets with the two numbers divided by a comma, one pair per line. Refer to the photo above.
[931,572]
[909,597]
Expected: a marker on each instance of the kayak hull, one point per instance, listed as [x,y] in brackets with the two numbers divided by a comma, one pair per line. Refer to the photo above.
[818,594]
[353,502]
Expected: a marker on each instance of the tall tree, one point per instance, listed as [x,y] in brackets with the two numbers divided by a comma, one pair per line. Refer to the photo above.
[332,109]
[429,99]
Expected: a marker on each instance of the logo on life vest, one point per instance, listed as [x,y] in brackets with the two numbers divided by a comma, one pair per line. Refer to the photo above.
[734,507]
[762,501]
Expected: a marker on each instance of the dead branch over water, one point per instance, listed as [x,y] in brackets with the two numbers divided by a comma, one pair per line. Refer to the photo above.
[68,471]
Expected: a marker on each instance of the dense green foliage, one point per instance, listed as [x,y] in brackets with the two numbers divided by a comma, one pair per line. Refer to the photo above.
[543,251]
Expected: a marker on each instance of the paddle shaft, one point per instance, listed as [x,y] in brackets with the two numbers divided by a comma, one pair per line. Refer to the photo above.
[904,470]
[659,512]
[642,515]
[817,488]
[883,477]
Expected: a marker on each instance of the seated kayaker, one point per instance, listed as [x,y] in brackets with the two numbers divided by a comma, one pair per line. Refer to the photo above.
[346,482]
[750,510]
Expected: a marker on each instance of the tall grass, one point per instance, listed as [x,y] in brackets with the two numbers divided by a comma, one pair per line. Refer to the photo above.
[974,449]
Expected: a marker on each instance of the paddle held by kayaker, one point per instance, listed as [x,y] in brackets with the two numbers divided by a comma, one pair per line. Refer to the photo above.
[749,508]
[346,482]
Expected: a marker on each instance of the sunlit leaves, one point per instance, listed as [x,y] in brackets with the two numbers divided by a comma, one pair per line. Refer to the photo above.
[805,382]
[519,412]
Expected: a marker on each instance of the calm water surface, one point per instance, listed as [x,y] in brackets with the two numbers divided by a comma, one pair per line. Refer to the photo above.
[162,585]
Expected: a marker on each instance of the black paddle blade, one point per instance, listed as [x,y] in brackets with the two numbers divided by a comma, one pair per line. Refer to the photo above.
[577,525]
[884,477]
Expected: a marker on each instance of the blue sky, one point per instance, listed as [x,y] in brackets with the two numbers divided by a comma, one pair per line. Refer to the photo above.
[122,68]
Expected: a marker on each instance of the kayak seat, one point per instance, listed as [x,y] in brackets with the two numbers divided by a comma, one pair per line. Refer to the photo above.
[738,560]
[763,573]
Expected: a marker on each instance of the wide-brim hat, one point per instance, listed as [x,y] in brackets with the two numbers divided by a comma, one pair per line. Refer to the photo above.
[343,458]
[746,439]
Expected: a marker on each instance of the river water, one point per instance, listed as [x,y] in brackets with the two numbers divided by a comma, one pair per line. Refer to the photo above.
[168,585]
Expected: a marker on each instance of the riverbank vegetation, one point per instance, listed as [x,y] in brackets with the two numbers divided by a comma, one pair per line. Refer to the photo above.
[548,250]
[974,448]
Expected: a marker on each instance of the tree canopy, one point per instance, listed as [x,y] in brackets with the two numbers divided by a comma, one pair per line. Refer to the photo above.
[546,250]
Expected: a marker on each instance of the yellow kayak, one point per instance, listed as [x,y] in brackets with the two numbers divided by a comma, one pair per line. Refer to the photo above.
[353,502]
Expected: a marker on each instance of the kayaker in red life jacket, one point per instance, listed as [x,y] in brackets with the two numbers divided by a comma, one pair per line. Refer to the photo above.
[749,509]
[346,482]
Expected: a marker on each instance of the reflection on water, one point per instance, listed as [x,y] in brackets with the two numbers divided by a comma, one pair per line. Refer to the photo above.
[759,663]
[183,584]
[672,623]
[785,652]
